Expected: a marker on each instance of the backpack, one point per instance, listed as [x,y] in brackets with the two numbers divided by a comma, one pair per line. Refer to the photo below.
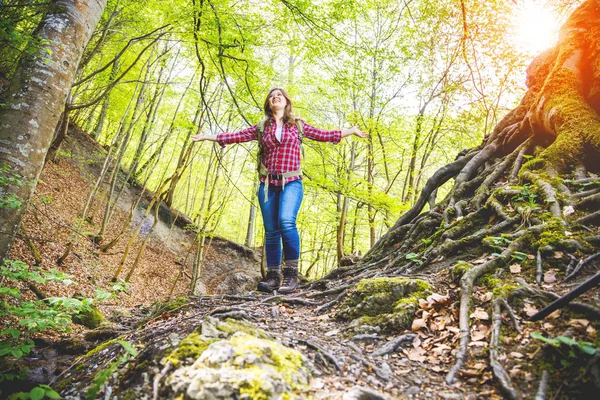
[260,128]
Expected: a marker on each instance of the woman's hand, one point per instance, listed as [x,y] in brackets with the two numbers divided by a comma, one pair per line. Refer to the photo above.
[354,131]
[202,136]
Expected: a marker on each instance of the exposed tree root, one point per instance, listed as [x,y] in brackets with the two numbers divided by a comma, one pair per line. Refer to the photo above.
[543,387]
[497,369]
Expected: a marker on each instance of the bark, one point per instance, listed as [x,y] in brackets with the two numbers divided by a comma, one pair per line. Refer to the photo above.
[35,100]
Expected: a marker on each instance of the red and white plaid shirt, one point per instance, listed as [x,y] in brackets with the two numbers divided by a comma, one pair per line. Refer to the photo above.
[284,156]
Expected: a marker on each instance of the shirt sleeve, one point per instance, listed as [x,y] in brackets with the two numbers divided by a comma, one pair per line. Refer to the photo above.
[245,135]
[320,135]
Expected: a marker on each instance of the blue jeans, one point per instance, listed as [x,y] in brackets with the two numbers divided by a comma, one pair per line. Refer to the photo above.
[279,218]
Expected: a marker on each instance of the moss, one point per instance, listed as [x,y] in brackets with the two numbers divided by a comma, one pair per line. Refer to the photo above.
[90,317]
[284,360]
[232,326]
[169,305]
[489,281]
[63,384]
[190,347]
[459,270]
[389,303]
[130,395]
[100,347]
[504,290]
[142,366]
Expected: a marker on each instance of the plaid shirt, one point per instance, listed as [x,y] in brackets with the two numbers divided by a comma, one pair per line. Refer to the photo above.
[284,156]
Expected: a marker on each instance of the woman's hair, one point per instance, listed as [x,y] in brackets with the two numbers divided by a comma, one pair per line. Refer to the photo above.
[288,115]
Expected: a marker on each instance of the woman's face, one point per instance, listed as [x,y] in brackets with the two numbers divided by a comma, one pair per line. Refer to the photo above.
[277,100]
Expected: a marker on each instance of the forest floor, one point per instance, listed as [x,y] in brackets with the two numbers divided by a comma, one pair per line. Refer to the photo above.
[340,357]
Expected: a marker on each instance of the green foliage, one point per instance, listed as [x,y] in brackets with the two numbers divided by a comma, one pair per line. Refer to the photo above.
[37,393]
[568,351]
[32,317]
[527,195]
[414,257]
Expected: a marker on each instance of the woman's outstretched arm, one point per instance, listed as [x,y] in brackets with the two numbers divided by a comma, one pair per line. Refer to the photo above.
[223,139]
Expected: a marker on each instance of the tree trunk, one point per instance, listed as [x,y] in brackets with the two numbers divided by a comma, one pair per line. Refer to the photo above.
[35,100]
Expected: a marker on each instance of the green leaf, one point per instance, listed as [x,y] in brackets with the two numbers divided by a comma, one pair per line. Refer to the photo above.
[589,349]
[537,335]
[567,340]
[128,347]
[37,393]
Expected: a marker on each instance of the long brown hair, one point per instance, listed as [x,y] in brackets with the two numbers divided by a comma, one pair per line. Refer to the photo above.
[288,114]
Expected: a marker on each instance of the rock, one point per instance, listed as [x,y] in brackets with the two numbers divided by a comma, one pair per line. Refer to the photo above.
[389,303]
[360,393]
[243,366]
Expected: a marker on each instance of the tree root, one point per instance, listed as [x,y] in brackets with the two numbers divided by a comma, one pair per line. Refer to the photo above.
[466,287]
[497,369]
[539,270]
[330,304]
[589,218]
[328,356]
[543,387]
[358,356]
[580,265]
[394,345]
[158,378]
[547,191]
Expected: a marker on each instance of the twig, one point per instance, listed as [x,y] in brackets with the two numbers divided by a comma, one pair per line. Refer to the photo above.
[158,378]
[511,313]
[541,393]
[564,300]
[330,304]
[571,264]
[328,292]
[358,356]
[540,270]
[394,345]
[321,350]
[365,337]
[580,265]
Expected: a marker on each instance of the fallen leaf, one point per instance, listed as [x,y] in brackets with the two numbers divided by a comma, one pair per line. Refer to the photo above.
[515,268]
[437,298]
[486,297]
[567,233]
[550,276]
[548,326]
[480,313]
[579,323]
[529,309]
[516,354]
[478,344]
[558,254]
[418,324]
[333,332]
[553,315]
[568,210]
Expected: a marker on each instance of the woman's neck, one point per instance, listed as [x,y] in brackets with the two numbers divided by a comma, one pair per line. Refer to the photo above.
[278,114]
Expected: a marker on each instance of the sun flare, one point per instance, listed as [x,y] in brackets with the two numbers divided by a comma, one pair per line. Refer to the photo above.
[536,26]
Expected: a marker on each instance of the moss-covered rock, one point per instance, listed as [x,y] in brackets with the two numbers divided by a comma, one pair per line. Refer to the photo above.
[389,303]
[90,317]
[243,366]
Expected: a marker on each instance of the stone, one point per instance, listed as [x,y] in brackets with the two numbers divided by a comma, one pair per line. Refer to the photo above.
[243,366]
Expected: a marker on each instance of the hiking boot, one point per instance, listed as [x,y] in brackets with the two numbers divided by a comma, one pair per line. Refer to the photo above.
[271,281]
[290,279]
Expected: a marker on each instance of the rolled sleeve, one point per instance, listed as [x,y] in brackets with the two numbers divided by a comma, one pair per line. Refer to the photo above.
[245,135]
[321,135]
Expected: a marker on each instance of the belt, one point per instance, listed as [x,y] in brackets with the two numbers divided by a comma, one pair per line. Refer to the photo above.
[277,177]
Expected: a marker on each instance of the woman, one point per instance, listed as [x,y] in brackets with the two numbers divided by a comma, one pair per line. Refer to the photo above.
[280,193]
